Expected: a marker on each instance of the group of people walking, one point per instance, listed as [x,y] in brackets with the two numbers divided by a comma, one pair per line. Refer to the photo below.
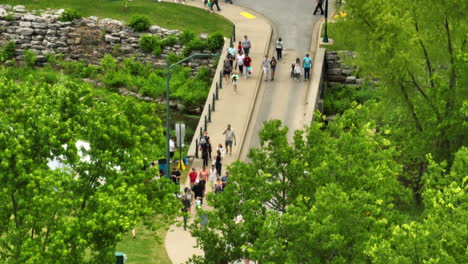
[211,3]
[198,181]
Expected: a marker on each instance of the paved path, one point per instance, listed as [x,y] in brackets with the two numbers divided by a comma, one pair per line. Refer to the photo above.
[284,98]
[230,109]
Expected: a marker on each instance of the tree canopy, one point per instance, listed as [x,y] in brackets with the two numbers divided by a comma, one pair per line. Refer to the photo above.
[78,213]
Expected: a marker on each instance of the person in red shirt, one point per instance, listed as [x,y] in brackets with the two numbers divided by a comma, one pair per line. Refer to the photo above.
[247,66]
[193,176]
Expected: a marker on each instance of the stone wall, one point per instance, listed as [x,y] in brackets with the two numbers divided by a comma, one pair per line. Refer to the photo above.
[337,71]
[86,39]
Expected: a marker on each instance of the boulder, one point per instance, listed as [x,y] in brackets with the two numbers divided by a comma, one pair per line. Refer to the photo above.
[25,31]
[347,71]
[25,24]
[19,8]
[336,71]
[350,79]
[39,25]
[111,39]
[155,29]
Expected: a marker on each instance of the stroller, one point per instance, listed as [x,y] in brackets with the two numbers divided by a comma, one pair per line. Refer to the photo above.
[295,73]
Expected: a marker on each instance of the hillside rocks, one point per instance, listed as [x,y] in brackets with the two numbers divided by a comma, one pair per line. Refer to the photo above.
[87,39]
[337,71]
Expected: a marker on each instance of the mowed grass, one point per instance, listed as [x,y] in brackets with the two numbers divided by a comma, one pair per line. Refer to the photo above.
[144,249]
[167,15]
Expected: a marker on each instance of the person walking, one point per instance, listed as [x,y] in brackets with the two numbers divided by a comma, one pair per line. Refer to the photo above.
[218,162]
[240,62]
[210,5]
[266,66]
[297,69]
[193,175]
[198,190]
[273,64]
[230,137]
[231,51]
[239,47]
[186,205]
[307,64]
[171,148]
[215,2]
[235,79]
[246,45]
[319,6]
[247,66]
[227,69]
[213,175]
[279,48]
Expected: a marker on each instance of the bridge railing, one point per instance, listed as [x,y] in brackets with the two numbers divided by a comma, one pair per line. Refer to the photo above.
[210,103]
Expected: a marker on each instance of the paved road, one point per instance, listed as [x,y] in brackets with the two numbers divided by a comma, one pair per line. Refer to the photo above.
[284,99]
[293,19]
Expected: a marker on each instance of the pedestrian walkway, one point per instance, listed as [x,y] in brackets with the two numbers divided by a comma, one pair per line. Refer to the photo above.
[230,109]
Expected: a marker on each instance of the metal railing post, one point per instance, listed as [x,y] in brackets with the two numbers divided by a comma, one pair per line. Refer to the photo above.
[217,87]
[209,113]
[221,79]
[206,123]
[201,132]
[196,148]
[233,33]
[213,102]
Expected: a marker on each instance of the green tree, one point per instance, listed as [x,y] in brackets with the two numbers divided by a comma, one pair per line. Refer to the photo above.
[315,201]
[78,213]
[442,235]
[417,51]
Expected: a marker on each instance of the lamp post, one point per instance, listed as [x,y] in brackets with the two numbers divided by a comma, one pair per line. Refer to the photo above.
[325,35]
[168,123]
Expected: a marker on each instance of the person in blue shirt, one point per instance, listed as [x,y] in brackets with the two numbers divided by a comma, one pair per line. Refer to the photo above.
[307,64]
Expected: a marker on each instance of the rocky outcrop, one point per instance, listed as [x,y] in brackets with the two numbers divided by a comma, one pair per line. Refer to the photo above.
[339,72]
[87,39]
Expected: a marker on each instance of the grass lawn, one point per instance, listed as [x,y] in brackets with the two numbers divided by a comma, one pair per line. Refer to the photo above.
[340,38]
[167,15]
[144,249]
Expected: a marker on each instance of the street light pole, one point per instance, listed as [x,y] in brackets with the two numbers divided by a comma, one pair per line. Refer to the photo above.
[325,35]
[168,123]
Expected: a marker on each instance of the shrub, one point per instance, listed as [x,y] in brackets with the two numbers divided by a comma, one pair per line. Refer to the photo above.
[117,79]
[108,63]
[186,36]
[73,68]
[149,42]
[203,74]
[133,67]
[157,51]
[194,44]
[51,59]
[215,41]
[69,15]
[8,51]
[172,58]
[139,23]
[154,86]
[170,40]
[90,71]
[30,58]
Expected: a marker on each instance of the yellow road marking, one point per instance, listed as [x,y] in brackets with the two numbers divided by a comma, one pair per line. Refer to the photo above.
[247,15]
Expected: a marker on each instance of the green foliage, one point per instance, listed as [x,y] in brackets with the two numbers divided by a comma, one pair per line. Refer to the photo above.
[153,86]
[69,14]
[108,63]
[30,58]
[339,98]
[172,58]
[148,43]
[68,214]
[157,51]
[8,51]
[195,44]
[139,23]
[215,41]
[186,36]
[9,17]
[204,74]
[170,40]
